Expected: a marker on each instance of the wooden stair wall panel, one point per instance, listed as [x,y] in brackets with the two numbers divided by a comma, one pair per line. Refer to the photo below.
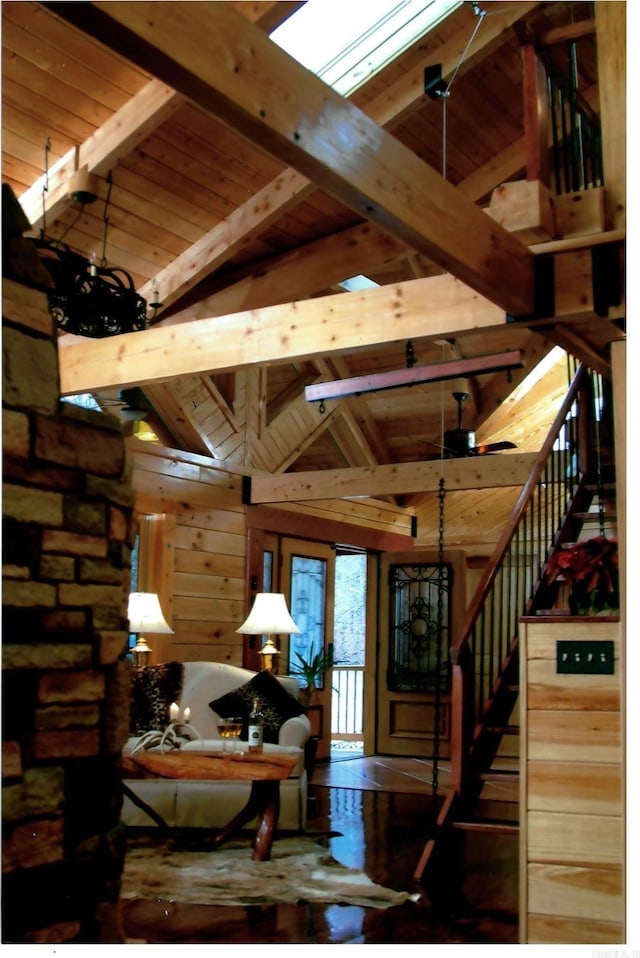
[572,852]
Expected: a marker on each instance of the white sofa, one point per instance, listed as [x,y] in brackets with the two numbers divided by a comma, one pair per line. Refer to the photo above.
[186,803]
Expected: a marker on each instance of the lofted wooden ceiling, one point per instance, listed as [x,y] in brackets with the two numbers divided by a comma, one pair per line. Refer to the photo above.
[243,192]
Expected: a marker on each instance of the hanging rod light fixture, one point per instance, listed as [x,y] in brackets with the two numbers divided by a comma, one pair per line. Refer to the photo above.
[413,375]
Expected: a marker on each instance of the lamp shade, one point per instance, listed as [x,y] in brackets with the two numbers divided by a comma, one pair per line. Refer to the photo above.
[145,614]
[269,616]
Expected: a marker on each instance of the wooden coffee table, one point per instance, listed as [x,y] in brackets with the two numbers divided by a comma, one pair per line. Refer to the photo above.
[265,771]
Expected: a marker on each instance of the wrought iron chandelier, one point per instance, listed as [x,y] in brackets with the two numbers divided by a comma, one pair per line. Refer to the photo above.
[88,299]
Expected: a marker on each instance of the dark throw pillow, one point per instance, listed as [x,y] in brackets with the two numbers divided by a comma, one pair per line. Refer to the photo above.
[275,703]
[153,689]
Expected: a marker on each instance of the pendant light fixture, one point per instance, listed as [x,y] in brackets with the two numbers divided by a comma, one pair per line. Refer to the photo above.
[88,299]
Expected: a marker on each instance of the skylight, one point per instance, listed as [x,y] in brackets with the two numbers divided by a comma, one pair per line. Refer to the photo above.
[345,43]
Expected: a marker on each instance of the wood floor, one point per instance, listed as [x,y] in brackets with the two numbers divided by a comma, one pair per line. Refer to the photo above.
[381,809]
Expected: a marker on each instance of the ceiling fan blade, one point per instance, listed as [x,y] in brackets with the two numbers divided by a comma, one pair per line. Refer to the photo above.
[490,447]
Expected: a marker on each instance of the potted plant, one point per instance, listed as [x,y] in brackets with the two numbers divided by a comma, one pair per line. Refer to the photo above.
[590,569]
[311,671]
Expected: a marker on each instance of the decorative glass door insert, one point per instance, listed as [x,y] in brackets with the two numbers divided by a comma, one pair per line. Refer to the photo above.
[419,628]
[308,603]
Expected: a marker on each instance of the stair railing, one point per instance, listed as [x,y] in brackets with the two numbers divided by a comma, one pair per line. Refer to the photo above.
[485,643]
[576,134]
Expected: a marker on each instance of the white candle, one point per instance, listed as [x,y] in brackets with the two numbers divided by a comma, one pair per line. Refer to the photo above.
[187,715]
[174,712]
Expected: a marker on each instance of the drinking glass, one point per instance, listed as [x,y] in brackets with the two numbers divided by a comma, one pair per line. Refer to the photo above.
[225,726]
[235,730]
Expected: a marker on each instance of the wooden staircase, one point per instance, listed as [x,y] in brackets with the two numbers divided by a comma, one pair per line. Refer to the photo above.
[491,797]
[485,721]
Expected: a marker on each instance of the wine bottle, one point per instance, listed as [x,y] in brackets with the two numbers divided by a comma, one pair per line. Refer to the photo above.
[256,729]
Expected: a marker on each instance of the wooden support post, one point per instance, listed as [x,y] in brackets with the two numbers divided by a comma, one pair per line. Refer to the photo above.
[536,115]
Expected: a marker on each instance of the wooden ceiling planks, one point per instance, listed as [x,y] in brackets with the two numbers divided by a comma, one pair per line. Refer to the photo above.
[193,198]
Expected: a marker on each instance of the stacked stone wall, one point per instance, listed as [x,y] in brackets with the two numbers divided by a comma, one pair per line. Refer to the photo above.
[68,529]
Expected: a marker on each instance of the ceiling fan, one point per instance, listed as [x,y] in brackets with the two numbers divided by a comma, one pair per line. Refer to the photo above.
[132,404]
[461,443]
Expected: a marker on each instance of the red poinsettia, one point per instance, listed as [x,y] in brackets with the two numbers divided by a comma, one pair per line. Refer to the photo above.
[590,569]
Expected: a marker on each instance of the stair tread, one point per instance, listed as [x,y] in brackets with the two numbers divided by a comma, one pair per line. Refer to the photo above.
[488,825]
[495,774]
[586,516]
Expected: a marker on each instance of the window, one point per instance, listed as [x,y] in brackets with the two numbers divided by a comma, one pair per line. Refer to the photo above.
[308,594]
[346,43]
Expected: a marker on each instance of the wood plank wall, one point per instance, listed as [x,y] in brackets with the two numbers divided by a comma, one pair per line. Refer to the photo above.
[197,559]
[199,507]
[572,836]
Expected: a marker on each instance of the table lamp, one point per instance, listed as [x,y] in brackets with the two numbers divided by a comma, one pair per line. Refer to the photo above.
[145,615]
[269,616]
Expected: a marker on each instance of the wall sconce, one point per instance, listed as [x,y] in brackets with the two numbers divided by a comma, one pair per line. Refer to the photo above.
[145,615]
[269,616]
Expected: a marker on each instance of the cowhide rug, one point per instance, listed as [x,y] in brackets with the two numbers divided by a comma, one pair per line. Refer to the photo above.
[301,869]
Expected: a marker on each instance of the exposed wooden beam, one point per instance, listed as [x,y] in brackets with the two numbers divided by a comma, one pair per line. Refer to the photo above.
[288,436]
[388,109]
[571,31]
[113,140]
[330,324]
[231,69]
[290,393]
[300,272]
[478,472]
[576,345]
[128,126]
[269,14]
[611,36]
[221,242]
[395,378]
[330,530]
[358,410]
[175,415]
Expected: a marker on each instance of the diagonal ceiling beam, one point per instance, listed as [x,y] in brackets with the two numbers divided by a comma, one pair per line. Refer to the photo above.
[395,104]
[388,109]
[131,124]
[315,266]
[123,131]
[232,70]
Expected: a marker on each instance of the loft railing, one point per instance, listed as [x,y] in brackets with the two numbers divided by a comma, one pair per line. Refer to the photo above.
[562,133]
[488,635]
[576,139]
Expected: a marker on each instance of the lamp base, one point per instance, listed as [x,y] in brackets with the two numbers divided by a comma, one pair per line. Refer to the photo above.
[140,651]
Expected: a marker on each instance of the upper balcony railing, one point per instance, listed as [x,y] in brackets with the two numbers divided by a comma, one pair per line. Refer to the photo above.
[562,132]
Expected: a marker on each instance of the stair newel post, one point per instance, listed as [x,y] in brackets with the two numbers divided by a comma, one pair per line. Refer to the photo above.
[585,420]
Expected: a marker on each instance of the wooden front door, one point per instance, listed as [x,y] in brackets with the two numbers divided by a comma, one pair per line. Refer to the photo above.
[307,580]
[413,680]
